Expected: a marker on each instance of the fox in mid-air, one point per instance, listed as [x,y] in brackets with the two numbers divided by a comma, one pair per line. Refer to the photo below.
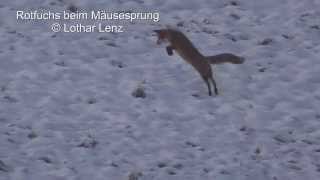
[184,47]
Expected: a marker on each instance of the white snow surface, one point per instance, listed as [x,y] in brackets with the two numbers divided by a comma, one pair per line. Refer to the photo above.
[67,110]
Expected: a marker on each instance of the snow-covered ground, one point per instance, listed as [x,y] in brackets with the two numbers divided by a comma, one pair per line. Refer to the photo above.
[67,111]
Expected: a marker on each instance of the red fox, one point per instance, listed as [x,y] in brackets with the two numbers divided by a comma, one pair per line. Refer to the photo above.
[183,46]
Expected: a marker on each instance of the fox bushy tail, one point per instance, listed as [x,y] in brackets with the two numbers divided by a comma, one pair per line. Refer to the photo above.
[225,58]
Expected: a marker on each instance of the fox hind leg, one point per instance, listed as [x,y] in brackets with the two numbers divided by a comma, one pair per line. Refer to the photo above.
[206,80]
[215,85]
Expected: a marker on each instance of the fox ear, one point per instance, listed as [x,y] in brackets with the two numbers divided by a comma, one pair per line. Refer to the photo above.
[158,31]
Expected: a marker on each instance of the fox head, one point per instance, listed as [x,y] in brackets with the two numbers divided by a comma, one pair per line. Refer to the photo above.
[162,35]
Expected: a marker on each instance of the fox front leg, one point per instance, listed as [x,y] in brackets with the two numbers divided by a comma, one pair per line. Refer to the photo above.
[170,50]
